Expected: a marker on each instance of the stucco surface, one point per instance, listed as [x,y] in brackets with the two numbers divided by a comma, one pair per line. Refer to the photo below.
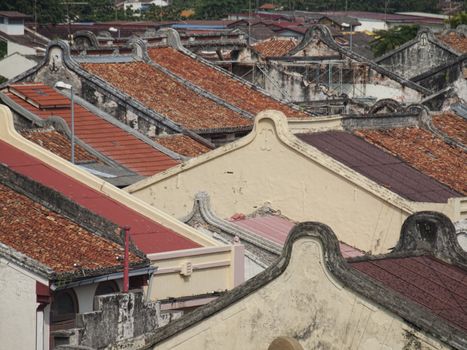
[272,166]
[306,303]
[17,308]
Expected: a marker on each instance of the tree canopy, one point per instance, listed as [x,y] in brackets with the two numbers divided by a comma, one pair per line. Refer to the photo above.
[387,40]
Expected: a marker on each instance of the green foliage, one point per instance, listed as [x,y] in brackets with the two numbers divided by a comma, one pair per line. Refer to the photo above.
[3,49]
[387,40]
[2,79]
[458,19]
[217,9]
[361,5]
[48,11]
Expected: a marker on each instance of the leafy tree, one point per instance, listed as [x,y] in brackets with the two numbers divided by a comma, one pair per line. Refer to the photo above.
[3,49]
[48,11]
[460,18]
[217,9]
[387,40]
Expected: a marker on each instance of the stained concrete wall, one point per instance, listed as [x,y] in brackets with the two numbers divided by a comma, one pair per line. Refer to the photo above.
[17,308]
[272,166]
[417,58]
[308,304]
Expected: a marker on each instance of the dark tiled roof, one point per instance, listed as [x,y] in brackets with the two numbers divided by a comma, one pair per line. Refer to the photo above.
[439,287]
[183,145]
[379,166]
[425,152]
[219,84]
[167,96]
[52,239]
[452,125]
[275,47]
[58,144]
[148,235]
[103,136]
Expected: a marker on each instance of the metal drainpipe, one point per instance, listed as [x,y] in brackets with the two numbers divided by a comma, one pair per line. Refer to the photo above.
[126,260]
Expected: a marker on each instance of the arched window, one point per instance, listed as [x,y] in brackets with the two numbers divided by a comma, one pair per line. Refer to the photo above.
[285,343]
[64,305]
[107,287]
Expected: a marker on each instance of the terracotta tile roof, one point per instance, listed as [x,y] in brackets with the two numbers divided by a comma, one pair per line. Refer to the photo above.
[50,238]
[437,286]
[379,166]
[425,152]
[58,144]
[452,125]
[277,228]
[275,47]
[163,94]
[183,145]
[148,235]
[455,40]
[103,136]
[219,84]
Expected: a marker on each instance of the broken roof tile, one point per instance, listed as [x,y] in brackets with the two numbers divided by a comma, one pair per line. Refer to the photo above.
[58,144]
[103,136]
[275,46]
[424,151]
[149,236]
[452,125]
[52,239]
[167,96]
[219,84]
[182,144]
[457,41]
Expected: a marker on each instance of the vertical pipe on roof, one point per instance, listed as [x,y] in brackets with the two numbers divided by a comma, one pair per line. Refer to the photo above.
[126,258]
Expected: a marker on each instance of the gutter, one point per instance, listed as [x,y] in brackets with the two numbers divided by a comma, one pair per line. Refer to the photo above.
[113,276]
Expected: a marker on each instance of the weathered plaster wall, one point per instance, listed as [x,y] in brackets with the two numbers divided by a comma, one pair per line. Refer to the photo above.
[17,308]
[14,47]
[290,176]
[417,59]
[308,304]
[117,317]
[301,84]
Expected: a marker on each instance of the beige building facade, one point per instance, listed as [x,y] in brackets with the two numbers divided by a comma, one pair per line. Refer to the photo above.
[271,166]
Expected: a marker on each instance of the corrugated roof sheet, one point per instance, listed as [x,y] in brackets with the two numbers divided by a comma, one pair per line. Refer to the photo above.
[58,144]
[437,286]
[219,84]
[276,229]
[379,166]
[166,96]
[426,152]
[103,136]
[52,239]
[148,235]
[452,125]
[183,145]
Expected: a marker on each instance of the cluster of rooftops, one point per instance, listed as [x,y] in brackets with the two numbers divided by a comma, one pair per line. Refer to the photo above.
[140,118]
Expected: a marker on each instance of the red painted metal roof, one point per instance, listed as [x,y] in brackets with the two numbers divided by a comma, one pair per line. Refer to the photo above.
[276,229]
[440,287]
[100,134]
[148,235]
